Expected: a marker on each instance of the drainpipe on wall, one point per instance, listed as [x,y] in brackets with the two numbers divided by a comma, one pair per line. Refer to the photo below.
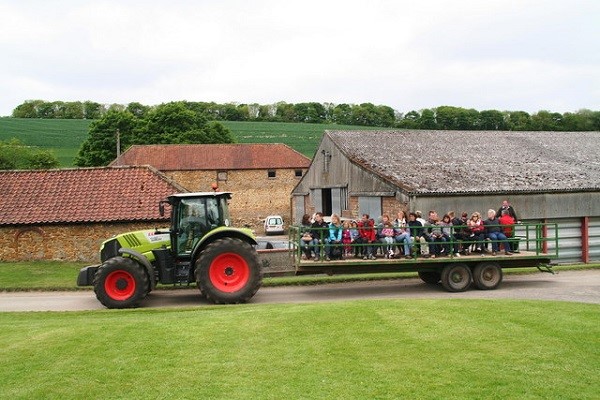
[585,240]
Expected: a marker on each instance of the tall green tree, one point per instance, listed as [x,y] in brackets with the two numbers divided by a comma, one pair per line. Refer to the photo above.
[100,147]
[29,109]
[492,120]
[167,123]
[137,109]
[428,119]
[92,110]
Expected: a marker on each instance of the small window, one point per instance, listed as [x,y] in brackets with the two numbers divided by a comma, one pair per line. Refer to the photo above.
[222,176]
[298,173]
[271,173]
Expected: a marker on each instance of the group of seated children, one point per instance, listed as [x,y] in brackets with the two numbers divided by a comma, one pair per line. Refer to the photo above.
[407,236]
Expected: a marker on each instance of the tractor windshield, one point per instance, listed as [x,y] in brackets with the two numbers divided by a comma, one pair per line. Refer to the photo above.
[197,216]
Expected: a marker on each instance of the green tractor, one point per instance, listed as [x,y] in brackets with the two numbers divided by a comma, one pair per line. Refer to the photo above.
[200,247]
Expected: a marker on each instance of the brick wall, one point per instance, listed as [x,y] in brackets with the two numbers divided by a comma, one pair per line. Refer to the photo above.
[62,242]
[391,206]
[255,195]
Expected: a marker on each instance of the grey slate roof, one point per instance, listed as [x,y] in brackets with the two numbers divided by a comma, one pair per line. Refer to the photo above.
[438,162]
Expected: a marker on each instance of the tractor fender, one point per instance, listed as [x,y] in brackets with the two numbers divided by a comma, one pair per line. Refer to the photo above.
[142,260]
[221,232]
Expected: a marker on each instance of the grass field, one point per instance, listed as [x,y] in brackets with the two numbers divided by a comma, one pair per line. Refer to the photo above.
[385,349]
[303,138]
[64,137]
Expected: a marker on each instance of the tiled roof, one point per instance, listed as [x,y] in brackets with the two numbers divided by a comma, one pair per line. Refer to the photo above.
[83,195]
[477,161]
[174,157]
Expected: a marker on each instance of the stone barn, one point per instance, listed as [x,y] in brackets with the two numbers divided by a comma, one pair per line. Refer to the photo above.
[547,176]
[261,176]
[66,214]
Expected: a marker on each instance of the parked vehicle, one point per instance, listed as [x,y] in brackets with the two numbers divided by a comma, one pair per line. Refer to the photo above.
[274,225]
[200,247]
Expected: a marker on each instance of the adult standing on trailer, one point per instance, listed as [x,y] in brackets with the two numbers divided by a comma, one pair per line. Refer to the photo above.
[508,207]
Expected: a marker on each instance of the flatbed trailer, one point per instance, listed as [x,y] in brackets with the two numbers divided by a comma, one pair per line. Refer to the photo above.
[456,273]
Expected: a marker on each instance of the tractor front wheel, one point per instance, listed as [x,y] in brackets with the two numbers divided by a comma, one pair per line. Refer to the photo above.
[228,271]
[120,283]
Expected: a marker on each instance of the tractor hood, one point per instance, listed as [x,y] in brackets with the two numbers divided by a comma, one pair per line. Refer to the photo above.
[141,241]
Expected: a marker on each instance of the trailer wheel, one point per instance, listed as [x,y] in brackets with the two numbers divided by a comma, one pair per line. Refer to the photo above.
[430,277]
[487,275]
[120,282]
[456,277]
[228,271]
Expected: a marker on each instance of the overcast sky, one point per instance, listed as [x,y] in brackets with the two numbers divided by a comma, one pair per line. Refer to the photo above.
[504,55]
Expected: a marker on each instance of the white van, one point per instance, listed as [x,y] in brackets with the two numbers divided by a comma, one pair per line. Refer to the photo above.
[274,225]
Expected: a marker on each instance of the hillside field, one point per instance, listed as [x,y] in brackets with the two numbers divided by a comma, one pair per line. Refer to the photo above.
[65,136]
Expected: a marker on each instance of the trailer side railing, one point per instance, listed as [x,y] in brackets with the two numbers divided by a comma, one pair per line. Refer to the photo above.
[527,240]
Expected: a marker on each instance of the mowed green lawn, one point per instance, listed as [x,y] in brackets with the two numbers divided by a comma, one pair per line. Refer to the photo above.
[64,137]
[380,349]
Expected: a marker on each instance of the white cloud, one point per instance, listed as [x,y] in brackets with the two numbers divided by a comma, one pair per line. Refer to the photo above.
[526,55]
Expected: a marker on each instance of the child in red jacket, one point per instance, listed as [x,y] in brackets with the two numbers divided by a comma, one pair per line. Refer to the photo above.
[367,236]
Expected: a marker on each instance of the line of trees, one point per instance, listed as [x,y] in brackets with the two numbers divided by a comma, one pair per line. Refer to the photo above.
[365,114]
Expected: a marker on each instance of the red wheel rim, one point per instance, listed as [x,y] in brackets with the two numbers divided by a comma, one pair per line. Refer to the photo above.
[119,285]
[229,272]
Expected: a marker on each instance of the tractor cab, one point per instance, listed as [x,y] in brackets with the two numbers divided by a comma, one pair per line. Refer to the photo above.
[193,216]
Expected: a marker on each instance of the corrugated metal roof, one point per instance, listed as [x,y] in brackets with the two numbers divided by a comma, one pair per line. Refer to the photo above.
[459,162]
[83,195]
[182,157]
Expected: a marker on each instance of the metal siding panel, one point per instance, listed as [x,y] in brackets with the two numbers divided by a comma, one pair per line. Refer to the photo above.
[594,238]
[298,209]
[370,205]
[317,199]
[569,239]
[336,204]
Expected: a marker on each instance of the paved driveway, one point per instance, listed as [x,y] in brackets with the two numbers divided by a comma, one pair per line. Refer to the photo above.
[578,286]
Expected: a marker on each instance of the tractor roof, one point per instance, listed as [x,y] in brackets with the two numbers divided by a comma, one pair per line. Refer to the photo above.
[200,194]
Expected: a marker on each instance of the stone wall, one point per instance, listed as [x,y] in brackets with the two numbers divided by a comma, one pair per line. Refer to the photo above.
[62,242]
[255,194]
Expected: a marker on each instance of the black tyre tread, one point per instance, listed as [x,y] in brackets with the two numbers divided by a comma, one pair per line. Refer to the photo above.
[478,271]
[430,277]
[446,272]
[229,245]
[123,263]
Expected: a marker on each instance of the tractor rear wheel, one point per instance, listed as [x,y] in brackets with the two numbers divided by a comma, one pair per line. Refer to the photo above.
[228,271]
[120,282]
